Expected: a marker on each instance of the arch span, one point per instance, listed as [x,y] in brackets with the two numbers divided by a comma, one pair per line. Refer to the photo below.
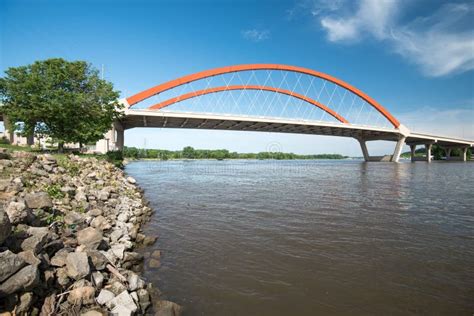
[229,69]
[247,87]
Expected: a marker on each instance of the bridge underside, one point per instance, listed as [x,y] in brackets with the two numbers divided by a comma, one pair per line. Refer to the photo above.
[254,124]
[144,118]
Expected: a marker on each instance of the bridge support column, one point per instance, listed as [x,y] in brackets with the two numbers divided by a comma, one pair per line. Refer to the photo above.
[120,139]
[448,150]
[365,151]
[412,152]
[398,149]
[464,154]
[118,133]
[428,152]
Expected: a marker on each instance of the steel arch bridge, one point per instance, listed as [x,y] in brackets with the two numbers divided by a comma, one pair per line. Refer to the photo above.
[272,98]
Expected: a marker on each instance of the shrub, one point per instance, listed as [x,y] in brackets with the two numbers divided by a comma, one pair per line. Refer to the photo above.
[115,157]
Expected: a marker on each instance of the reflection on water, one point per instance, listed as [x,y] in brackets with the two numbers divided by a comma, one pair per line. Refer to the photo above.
[312,237]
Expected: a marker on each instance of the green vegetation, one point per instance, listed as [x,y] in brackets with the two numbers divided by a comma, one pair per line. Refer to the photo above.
[65,101]
[15,147]
[115,157]
[54,191]
[219,154]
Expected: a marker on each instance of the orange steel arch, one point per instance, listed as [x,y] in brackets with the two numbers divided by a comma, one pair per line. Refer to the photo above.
[246,87]
[229,69]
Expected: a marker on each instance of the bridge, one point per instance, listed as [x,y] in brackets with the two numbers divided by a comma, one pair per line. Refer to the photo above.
[272,98]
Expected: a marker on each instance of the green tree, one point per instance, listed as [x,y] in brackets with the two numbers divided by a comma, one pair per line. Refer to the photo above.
[188,152]
[66,101]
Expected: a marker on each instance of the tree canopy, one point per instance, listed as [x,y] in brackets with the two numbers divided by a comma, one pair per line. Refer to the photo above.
[64,100]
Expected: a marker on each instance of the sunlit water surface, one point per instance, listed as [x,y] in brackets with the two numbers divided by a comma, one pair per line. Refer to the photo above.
[312,237]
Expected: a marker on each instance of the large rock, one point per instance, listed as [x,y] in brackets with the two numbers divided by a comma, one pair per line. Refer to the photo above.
[143,299]
[105,296]
[123,303]
[59,259]
[17,212]
[38,200]
[77,265]
[98,259]
[4,183]
[118,250]
[81,295]
[9,264]
[5,225]
[89,237]
[34,243]
[97,279]
[100,222]
[25,279]
[134,282]
[73,218]
[29,257]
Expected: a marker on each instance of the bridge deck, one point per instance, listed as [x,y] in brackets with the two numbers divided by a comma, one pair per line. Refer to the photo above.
[162,119]
[144,118]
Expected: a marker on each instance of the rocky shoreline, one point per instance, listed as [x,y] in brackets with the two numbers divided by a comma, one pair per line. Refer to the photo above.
[69,227]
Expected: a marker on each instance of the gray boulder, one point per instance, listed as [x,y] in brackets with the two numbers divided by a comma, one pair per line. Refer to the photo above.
[10,263]
[81,295]
[29,257]
[98,259]
[77,265]
[100,222]
[59,259]
[25,279]
[4,183]
[34,243]
[5,225]
[17,212]
[143,299]
[122,303]
[89,237]
[105,296]
[38,200]
[73,218]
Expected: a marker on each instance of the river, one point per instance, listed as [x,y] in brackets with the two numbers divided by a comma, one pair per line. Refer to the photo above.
[312,237]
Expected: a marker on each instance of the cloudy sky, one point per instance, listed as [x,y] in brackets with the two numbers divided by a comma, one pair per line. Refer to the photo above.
[414,57]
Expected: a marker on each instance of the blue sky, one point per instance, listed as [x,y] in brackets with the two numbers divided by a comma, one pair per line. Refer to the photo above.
[414,57]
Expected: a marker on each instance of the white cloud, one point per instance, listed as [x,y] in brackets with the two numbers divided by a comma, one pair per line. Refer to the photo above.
[256,35]
[371,17]
[440,44]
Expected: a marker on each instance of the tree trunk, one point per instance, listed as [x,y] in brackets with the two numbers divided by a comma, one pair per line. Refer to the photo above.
[61,147]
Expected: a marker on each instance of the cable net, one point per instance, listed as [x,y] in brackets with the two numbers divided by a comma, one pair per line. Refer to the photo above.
[269,104]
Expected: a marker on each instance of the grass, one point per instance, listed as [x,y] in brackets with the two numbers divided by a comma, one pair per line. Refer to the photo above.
[16,147]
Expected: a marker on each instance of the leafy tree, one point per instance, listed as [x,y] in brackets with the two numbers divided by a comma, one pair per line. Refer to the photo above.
[66,101]
[188,152]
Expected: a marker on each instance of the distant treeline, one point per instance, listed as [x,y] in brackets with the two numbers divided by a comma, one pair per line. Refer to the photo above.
[191,153]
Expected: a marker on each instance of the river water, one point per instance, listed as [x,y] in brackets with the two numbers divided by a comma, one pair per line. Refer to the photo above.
[312,237]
